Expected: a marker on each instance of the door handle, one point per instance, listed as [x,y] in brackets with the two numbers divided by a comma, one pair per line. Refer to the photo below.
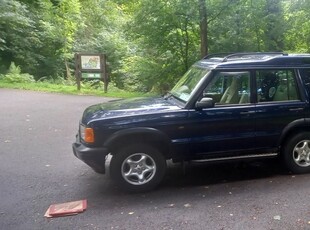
[247,112]
[297,109]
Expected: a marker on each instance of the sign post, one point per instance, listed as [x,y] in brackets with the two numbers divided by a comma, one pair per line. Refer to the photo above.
[91,66]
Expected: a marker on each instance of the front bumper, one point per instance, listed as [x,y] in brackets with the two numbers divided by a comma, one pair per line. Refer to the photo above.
[93,157]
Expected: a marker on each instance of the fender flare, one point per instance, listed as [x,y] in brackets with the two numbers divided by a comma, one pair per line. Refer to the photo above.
[145,131]
[302,123]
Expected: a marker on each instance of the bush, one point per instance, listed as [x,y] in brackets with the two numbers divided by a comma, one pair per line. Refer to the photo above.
[57,80]
[14,75]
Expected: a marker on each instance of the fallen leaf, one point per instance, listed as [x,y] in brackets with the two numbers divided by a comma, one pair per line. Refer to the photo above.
[187,205]
[277,217]
[131,213]
[7,141]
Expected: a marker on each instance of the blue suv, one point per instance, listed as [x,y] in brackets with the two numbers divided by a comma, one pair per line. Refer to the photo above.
[226,107]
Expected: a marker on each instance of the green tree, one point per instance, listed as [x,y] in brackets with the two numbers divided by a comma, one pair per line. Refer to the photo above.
[38,36]
[274,26]
[166,34]
[298,20]
[58,24]
[149,43]
[102,31]
[18,36]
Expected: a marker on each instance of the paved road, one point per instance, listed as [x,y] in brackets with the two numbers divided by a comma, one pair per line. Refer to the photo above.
[39,169]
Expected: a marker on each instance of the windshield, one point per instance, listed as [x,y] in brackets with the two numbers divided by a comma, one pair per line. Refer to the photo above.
[188,83]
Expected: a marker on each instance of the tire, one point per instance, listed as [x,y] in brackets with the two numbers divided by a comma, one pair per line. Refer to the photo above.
[138,168]
[296,154]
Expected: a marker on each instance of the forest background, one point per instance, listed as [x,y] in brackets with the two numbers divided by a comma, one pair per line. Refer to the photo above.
[149,43]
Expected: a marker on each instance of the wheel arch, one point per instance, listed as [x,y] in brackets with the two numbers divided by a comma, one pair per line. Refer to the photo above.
[145,135]
[295,127]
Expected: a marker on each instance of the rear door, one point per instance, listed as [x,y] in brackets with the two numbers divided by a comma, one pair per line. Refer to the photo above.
[278,104]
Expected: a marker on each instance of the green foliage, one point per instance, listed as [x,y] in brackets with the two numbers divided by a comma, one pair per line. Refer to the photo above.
[58,88]
[298,33]
[102,31]
[18,37]
[149,43]
[57,80]
[166,37]
[14,75]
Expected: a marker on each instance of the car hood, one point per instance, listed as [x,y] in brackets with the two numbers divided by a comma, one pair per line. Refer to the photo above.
[128,107]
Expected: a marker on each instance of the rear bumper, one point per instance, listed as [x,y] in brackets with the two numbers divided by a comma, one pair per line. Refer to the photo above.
[93,157]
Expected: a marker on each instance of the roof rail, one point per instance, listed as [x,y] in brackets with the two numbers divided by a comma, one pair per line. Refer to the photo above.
[217,55]
[255,54]
[224,57]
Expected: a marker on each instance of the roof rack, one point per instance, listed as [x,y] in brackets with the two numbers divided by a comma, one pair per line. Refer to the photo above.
[224,57]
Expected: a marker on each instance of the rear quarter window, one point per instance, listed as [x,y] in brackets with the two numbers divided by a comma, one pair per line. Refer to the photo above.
[276,85]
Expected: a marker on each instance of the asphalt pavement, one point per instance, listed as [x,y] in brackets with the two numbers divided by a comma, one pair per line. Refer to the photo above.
[38,169]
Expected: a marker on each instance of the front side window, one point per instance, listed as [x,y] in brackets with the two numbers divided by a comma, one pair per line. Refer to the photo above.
[229,88]
[188,83]
[276,85]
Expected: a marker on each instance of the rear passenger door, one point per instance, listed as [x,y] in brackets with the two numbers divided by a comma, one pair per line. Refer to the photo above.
[278,103]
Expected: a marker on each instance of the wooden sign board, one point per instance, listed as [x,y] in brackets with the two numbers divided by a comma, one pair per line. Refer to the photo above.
[91,66]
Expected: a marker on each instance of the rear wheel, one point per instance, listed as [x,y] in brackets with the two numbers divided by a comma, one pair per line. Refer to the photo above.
[297,153]
[138,168]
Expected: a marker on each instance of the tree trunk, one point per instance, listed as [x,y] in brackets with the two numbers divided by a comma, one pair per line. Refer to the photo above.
[68,73]
[203,28]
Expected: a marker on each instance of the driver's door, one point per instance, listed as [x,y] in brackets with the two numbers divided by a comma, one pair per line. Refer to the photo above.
[229,125]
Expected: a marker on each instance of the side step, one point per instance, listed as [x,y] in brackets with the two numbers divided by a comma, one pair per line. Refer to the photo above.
[266,155]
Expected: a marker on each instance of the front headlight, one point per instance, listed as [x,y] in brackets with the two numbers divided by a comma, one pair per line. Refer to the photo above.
[87,134]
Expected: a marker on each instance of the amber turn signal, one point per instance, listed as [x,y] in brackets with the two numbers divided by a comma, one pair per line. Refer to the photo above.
[89,135]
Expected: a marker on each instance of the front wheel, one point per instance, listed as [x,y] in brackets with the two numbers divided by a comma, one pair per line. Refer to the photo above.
[297,153]
[138,168]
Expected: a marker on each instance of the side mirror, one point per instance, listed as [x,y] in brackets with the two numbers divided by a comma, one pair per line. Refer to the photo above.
[205,102]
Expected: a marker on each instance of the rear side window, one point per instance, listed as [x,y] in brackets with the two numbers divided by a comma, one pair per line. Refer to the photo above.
[305,76]
[276,85]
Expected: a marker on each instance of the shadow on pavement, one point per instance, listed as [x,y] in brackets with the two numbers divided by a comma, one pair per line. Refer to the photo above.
[208,174]
[199,175]
[211,181]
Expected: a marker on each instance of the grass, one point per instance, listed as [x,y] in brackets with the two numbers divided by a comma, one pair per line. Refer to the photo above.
[66,89]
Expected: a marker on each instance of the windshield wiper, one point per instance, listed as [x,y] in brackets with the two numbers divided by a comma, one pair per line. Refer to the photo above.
[168,95]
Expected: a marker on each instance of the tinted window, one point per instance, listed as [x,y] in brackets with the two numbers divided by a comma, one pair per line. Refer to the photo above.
[276,85]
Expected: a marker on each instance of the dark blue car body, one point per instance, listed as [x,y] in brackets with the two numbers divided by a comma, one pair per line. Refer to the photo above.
[184,130]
